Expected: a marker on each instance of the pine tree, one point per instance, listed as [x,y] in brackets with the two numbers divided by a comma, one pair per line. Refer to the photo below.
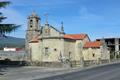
[6,28]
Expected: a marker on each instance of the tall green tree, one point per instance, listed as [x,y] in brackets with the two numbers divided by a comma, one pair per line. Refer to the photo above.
[6,28]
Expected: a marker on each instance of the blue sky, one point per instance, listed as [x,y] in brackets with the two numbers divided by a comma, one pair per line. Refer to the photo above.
[97,18]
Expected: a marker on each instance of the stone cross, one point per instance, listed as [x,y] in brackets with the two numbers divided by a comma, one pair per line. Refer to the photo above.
[46,15]
[62,28]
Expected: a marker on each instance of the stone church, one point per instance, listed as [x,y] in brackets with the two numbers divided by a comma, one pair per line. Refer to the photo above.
[48,46]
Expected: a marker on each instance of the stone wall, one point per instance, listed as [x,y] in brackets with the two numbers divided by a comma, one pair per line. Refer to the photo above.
[92,54]
[69,49]
[13,55]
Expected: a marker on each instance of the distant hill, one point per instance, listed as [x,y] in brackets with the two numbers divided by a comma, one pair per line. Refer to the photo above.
[8,41]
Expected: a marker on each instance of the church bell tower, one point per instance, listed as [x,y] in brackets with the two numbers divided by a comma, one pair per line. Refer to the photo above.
[33,28]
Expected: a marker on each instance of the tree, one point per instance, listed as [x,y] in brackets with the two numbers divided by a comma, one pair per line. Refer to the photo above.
[6,28]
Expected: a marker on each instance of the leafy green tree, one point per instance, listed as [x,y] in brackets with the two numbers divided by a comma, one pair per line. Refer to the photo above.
[6,28]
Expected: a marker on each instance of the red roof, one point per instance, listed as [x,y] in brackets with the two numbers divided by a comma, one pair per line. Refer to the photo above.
[34,40]
[75,36]
[95,44]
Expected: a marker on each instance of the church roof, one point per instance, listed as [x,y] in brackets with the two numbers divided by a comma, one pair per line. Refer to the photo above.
[35,39]
[55,28]
[95,44]
[75,36]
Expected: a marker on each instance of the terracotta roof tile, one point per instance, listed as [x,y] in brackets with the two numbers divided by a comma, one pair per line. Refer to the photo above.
[75,36]
[35,39]
[95,44]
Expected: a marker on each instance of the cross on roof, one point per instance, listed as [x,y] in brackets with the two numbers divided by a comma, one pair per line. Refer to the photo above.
[62,28]
[46,15]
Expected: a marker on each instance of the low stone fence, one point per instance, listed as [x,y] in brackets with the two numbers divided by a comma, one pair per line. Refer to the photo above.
[69,63]
[13,55]
[94,62]
[47,64]
[10,63]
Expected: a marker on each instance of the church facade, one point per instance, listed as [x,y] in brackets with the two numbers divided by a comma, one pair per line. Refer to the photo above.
[47,45]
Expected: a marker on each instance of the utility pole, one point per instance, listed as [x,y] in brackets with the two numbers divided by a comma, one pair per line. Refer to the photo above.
[116,47]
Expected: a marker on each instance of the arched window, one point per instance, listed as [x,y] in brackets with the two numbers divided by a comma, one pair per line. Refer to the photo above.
[31,23]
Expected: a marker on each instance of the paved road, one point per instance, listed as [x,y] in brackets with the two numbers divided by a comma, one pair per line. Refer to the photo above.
[108,72]
[28,73]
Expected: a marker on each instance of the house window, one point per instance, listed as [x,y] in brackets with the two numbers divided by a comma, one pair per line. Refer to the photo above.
[46,50]
[55,49]
[93,54]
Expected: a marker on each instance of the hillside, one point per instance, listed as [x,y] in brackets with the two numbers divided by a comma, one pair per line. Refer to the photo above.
[8,41]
